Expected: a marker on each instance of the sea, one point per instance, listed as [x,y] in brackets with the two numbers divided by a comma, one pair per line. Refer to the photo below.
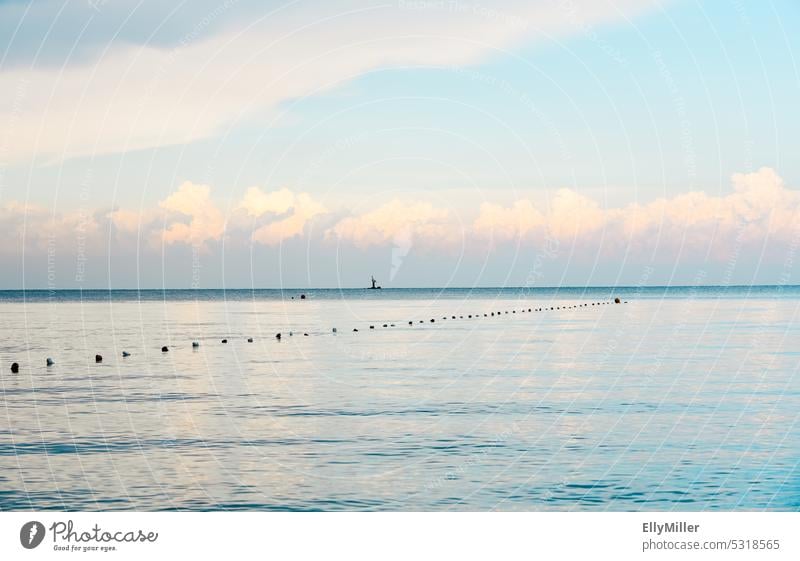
[495,399]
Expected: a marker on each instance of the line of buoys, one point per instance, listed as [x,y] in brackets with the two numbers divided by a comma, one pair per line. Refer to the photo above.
[195,344]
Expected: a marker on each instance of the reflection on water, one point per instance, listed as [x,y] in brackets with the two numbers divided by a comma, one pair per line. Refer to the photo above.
[680,403]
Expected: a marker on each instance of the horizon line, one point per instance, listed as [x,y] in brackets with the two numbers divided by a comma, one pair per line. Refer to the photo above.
[189,289]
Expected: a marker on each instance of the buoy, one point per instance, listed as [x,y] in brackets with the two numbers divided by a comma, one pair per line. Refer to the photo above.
[164,349]
[291,333]
[385,325]
[421,321]
[278,336]
[98,358]
[433,320]
[125,354]
[616,300]
[224,341]
[195,344]
[334,330]
[392,325]
[14,367]
[305,334]
[354,330]
[372,327]
[249,339]
[410,323]
[470,316]
[302,297]
[50,361]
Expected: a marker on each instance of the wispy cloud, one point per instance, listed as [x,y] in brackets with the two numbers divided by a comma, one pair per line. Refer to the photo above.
[133,95]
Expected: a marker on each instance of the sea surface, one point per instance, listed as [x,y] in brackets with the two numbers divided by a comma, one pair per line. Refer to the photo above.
[675,399]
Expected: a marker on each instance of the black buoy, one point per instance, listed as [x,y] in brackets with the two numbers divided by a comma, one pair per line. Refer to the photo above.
[410,323]
[278,336]
[98,358]
[50,361]
[14,367]
[195,344]
[386,325]
[372,327]
[302,297]
[354,331]
[616,300]
[433,320]
[164,349]
[125,354]
[249,339]
[305,334]
[224,341]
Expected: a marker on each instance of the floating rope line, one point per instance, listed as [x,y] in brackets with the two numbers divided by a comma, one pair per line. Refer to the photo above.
[195,344]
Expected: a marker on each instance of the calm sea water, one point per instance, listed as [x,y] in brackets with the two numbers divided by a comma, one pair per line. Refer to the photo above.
[682,399]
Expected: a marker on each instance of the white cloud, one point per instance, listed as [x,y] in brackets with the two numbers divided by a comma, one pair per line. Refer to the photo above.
[138,96]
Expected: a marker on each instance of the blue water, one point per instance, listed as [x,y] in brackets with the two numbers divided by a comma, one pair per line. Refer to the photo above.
[680,399]
[239,294]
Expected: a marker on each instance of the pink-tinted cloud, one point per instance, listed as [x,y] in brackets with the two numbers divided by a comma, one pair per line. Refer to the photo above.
[396,220]
[205,220]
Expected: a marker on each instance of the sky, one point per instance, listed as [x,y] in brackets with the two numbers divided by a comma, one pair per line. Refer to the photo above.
[243,143]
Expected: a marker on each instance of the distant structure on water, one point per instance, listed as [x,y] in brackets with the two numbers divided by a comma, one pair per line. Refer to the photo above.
[374,285]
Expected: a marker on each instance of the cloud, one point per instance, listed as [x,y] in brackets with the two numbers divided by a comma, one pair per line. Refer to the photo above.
[503,224]
[759,215]
[304,209]
[759,207]
[206,221]
[396,222]
[128,95]
[256,202]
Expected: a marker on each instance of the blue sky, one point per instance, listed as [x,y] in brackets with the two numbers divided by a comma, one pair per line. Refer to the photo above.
[460,139]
